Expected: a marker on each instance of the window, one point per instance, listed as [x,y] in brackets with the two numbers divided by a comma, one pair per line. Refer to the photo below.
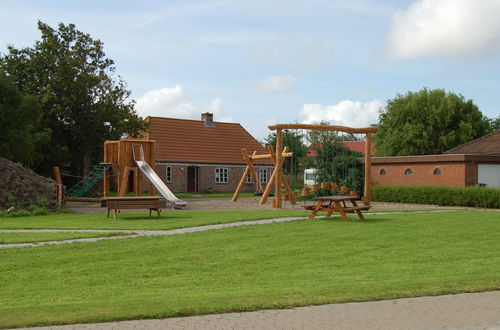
[263,175]
[437,171]
[221,175]
[382,172]
[168,175]
[408,171]
[249,178]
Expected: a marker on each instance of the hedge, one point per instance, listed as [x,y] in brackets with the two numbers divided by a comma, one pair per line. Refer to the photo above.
[438,195]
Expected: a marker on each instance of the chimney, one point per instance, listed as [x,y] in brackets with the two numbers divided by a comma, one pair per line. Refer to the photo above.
[208,119]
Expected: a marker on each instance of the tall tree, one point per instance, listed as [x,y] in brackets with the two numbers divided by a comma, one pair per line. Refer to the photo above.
[495,124]
[20,121]
[81,99]
[428,122]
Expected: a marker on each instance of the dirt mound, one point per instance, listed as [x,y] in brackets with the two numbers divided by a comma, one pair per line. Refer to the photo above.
[23,188]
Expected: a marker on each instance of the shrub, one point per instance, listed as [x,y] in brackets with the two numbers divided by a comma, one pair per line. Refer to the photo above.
[438,195]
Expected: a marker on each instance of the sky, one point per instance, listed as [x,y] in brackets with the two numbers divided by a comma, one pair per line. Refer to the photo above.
[259,63]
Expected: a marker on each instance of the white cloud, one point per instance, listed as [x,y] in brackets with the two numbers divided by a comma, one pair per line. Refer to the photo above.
[173,102]
[276,84]
[345,113]
[446,28]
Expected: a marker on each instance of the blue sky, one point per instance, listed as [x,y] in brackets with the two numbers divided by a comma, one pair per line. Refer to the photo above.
[265,62]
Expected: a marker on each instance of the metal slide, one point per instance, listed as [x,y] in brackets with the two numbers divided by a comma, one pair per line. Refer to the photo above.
[155,179]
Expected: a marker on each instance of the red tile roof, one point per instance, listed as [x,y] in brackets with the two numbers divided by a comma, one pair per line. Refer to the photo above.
[358,146]
[488,144]
[181,140]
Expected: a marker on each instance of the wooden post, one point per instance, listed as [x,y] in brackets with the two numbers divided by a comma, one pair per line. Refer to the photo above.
[105,183]
[278,167]
[153,149]
[248,170]
[59,185]
[281,176]
[57,175]
[124,181]
[137,181]
[368,165]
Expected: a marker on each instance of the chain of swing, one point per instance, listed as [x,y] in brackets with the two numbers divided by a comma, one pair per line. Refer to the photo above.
[333,164]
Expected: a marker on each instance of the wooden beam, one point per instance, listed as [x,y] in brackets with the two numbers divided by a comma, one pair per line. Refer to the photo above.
[57,174]
[278,168]
[267,156]
[346,129]
[137,181]
[281,175]
[248,159]
[240,184]
[124,181]
[368,166]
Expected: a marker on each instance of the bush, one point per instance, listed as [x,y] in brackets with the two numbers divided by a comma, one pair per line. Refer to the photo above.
[438,195]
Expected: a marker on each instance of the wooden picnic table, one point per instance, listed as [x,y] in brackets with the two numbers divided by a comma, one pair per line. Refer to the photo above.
[153,203]
[332,204]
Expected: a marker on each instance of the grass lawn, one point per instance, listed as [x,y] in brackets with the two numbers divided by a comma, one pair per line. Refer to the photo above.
[247,268]
[141,220]
[13,238]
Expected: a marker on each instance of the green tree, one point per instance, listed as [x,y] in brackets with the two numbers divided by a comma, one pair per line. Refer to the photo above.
[82,102]
[494,124]
[428,122]
[293,139]
[21,136]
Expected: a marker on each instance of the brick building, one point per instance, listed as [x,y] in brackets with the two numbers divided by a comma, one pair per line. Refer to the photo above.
[203,155]
[474,163]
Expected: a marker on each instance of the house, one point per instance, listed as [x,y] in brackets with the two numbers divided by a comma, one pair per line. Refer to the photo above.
[474,163]
[204,155]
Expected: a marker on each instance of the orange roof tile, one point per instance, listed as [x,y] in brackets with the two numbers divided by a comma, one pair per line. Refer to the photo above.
[488,144]
[182,140]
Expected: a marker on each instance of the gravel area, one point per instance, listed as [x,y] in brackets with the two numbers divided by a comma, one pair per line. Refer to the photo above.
[252,203]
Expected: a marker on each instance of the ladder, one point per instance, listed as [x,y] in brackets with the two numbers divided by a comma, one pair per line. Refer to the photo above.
[88,181]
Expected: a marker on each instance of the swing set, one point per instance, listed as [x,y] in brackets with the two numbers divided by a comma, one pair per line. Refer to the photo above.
[331,155]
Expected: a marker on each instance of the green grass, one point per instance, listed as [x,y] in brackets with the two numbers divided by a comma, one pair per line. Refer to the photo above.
[14,238]
[247,268]
[141,220]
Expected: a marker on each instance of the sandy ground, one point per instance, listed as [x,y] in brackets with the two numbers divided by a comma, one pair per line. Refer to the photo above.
[252,203]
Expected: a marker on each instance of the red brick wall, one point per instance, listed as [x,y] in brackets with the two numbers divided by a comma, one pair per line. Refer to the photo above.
[452,174]
[207,178]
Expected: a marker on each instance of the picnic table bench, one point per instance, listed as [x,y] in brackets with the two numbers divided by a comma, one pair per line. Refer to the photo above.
[332,204]
[153,203]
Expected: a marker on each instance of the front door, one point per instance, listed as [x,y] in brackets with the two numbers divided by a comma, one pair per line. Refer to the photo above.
[192,179]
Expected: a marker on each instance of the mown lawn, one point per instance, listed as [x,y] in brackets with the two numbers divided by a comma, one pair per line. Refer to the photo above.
[141,220]
[14,238]
[254,267]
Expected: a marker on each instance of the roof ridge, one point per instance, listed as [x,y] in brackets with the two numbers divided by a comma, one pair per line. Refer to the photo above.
[195,120]
[475,140]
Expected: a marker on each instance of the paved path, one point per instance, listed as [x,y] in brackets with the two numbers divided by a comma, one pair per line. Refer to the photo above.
[461,311]
[137,233]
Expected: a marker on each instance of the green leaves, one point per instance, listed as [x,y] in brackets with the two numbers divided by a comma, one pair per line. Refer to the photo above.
[428,122]
[81,100]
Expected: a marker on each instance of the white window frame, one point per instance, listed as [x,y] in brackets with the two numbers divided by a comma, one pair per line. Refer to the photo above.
[263,175]
[221,175]
[168,174]
[249,179]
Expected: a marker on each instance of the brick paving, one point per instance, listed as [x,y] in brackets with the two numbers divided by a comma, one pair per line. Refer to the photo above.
[460,311]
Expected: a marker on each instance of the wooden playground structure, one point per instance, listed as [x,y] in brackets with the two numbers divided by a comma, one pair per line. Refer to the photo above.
[278,180]
[120,154]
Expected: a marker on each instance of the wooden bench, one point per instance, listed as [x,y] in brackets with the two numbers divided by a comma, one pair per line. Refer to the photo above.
[153,203]
[332,204]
